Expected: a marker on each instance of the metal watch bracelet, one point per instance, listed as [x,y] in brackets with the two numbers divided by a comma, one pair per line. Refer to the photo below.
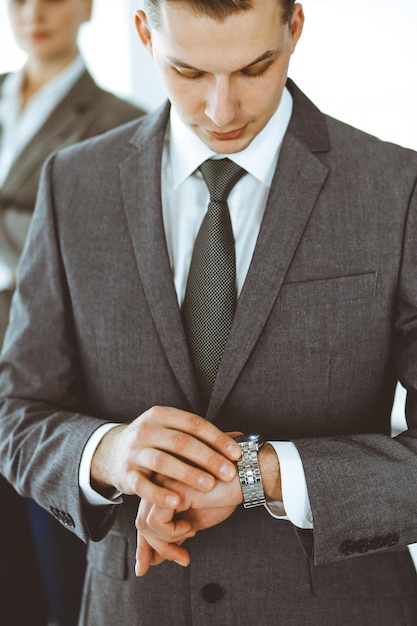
[249,472]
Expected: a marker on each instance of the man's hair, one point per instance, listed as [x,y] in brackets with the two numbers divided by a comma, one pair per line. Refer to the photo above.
[216,9]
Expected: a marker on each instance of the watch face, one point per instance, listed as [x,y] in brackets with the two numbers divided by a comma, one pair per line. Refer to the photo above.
[247,438]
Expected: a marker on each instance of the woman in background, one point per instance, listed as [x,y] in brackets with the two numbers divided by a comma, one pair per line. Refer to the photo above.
[50,103]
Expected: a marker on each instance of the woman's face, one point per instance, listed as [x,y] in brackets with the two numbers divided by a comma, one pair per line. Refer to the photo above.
[47,29]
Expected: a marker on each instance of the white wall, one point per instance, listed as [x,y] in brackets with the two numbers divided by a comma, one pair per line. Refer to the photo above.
[356,60]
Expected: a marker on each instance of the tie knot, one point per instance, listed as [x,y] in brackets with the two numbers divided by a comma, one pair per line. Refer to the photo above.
[220,175]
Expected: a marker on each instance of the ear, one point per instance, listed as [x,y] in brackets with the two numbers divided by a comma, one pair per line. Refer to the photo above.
[296,26]
[143,30]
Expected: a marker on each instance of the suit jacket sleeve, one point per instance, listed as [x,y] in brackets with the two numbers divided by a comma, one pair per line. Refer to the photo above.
[47,415]
[363,488]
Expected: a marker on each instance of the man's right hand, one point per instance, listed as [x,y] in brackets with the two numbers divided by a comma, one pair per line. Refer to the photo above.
[169,442]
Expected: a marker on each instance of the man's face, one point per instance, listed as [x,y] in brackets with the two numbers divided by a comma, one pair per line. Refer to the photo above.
[225,79]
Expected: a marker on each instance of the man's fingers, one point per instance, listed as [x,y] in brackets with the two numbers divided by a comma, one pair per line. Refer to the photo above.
[165,441]
[166,437]
[163,550]
[144,556]
[160,537]
[161,462]
[197,427]
[160,523]
[144,487]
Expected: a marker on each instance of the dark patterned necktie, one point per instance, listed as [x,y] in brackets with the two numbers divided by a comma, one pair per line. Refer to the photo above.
[210,296]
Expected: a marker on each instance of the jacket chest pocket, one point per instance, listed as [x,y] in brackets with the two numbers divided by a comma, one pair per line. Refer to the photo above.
[328,291]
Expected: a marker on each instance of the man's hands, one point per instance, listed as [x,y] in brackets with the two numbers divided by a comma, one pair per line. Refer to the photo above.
[168,442]
[161,531]
[182,467]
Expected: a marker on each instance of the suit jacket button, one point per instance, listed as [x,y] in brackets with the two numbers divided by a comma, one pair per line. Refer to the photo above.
[63,517]
[348,547]
[212,593]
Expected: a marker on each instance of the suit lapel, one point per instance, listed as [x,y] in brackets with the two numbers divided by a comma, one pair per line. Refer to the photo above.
[65,122]
[298,180]
[141,189]
[296,186]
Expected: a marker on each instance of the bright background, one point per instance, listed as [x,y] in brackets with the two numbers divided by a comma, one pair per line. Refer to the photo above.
[356,60]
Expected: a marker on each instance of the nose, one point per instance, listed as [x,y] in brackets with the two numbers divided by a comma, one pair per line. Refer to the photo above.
[221,103]
[33,9]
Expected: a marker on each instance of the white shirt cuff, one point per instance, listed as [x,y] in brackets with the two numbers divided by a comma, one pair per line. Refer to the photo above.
[90,495]
[296,504]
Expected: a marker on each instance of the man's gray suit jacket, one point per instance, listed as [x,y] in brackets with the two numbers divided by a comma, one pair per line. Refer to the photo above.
[86,111]
[325,325]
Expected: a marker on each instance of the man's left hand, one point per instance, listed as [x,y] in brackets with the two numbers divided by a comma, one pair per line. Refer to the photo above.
[161,531]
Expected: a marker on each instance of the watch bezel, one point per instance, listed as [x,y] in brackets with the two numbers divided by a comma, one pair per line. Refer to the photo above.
[251,438]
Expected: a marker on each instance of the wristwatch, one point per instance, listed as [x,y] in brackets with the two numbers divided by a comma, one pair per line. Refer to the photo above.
[248,469]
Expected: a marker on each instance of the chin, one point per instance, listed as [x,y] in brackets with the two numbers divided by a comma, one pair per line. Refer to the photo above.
[229,147]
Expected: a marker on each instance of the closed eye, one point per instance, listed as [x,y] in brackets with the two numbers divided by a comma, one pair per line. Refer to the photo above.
[258,69]
[188,74]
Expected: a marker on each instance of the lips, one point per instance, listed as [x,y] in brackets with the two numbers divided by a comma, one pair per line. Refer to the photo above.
[37,35]
[229,136]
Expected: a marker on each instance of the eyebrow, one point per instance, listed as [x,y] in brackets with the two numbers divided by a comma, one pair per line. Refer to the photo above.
[266,56]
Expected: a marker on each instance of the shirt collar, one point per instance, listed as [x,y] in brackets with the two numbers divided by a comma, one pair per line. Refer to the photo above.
[65,79]
[186,151]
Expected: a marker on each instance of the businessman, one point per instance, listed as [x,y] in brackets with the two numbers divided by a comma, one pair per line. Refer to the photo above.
[170,300]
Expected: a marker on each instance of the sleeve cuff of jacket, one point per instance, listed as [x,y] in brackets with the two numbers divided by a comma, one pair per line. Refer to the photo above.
[296,504]
[91,496]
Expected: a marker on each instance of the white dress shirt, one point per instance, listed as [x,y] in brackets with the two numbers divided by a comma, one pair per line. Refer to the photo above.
[19,126]
[185,199]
